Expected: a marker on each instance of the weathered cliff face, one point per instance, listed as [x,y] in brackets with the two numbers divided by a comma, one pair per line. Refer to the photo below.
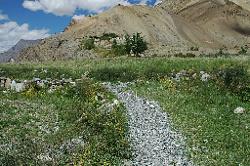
[171,25]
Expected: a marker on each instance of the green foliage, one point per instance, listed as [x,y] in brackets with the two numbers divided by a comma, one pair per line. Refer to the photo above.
[203,112]
[87,44]
[194,48]
[135,44]
[138,45]
[220,53]
[32,126]
[118,49]
[219,138]
[236,79]
[187,55]
[108,36]
[114,74]
[243,50]
[128,44]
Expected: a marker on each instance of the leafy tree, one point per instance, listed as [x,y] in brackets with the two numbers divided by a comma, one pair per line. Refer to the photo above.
[128,44]
[138,44]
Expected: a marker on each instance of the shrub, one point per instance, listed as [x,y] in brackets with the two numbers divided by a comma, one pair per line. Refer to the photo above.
[135,44]
[243,50]
[220,53]
[87,44]
[194,48]
[236,79]
[108,36]
[118,49]
[187,55]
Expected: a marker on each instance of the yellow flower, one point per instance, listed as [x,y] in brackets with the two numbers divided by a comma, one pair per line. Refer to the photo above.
[168,83]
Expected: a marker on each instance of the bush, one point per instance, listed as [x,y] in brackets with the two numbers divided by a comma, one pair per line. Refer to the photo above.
[87,44]
[236,79]
[243,50]
[187,55]
[108,36]
[118,49]
[194,48]
[220,53]
[135,44]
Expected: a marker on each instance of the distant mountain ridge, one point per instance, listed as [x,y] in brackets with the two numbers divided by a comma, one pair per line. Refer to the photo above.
[13,52]
[171,27]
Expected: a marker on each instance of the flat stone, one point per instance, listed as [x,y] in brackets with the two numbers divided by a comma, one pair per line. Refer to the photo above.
[18,87]
[239,110]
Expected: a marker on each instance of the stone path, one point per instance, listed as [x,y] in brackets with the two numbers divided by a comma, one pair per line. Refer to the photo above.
[154,141]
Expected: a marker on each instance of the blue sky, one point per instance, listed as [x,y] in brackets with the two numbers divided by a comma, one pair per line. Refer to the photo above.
[29,19]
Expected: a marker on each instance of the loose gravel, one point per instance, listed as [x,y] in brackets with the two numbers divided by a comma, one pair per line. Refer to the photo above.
[154,140]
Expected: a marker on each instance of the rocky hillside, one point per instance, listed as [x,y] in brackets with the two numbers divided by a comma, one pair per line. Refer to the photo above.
[13,52]
[170,27]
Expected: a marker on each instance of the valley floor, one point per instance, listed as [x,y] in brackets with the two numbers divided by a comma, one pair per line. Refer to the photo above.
[187,105]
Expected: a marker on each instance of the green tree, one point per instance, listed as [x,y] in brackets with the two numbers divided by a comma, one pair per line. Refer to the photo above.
[127,45]
[138,44]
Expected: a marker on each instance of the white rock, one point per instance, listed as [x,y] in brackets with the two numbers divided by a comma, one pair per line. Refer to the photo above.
[202,72]
[73,83]
[205,77]
[13,85]
[36,79]
[239,110]
[116,102]
[151,106]
[20,87]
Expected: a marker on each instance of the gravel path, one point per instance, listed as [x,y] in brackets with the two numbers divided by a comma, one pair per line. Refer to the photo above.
[154,141]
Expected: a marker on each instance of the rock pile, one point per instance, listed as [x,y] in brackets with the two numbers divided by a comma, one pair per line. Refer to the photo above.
[20,86]
[188,75]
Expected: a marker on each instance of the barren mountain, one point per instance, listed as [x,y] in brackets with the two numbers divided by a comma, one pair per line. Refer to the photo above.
[13,52]
[171,25]
[243,3]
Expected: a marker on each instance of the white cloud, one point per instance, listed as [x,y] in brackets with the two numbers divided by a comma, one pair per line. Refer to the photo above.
[3,16]
[78,17]
[158,2]
[11,33]
[68,7]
